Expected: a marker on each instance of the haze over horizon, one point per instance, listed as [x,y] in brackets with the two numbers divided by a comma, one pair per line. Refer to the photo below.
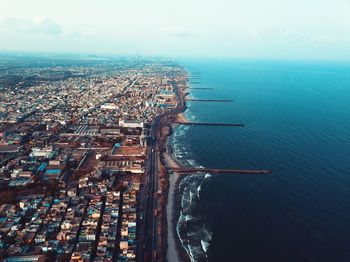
[316,29]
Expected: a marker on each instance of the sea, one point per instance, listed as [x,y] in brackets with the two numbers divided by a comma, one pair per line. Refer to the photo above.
[297,124]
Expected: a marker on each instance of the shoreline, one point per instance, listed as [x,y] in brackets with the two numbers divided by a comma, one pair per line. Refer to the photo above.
[181,118]
[175,251]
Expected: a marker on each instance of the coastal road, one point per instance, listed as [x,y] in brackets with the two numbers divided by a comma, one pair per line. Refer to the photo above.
[149,227]
[149,218]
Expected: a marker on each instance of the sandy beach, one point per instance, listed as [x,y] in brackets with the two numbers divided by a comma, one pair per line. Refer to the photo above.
[175,251]
[172,254]
[181,118]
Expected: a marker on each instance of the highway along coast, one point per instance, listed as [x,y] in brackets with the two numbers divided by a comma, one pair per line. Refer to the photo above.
[154,196]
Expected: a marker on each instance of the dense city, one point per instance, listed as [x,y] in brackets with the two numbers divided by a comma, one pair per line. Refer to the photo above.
[74,152]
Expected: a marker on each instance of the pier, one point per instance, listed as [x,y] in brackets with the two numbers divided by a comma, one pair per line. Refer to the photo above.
[221,171]
[210,100]
[201,88]
[208,124]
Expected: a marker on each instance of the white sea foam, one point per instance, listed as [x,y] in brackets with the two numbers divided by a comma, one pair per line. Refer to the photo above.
[208,176]
[199,191]
[207,236]
[192,162]
[205,245]
[191,230]
[188,218]
[194,236]
[191,197]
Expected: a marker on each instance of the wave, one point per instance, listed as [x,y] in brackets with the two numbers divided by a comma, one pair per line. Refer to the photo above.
[199,191]
[191,229]
[208,176]
[194,236]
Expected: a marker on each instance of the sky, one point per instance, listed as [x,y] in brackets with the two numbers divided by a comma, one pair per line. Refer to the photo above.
[276,29]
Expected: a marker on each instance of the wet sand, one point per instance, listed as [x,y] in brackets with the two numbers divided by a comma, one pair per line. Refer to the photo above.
[175,251]
[181,118]
[172,254]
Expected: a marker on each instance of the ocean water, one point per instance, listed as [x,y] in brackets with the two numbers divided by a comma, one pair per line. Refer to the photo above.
[297,117]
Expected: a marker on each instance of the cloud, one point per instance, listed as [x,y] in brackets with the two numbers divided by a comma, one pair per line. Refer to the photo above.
[41,25]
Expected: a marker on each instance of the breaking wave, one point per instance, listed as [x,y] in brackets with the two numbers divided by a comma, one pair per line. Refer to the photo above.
[191,229]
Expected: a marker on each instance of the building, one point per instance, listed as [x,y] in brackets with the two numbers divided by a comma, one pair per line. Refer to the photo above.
[34,258]
[131,123]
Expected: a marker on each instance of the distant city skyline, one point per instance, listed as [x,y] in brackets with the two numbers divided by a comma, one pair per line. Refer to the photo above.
[315,29]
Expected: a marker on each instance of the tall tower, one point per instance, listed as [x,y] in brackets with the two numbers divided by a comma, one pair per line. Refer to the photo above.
[137,57]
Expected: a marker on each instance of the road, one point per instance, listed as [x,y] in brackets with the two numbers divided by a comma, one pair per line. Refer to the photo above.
[150,250]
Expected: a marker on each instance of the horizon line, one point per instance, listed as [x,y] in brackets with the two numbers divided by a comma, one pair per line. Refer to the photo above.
[160,56]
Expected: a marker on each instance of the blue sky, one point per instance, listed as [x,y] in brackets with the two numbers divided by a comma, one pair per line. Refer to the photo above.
[299,29]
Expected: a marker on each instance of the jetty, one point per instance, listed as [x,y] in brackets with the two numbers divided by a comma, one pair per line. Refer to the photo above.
[221,171]
[208,124]
[200,88]
[210,100]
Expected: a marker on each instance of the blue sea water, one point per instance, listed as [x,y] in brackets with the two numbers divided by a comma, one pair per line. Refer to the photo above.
[297,117]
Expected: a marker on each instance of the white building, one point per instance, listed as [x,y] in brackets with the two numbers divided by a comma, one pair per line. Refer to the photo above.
[110,106]
[131,123]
